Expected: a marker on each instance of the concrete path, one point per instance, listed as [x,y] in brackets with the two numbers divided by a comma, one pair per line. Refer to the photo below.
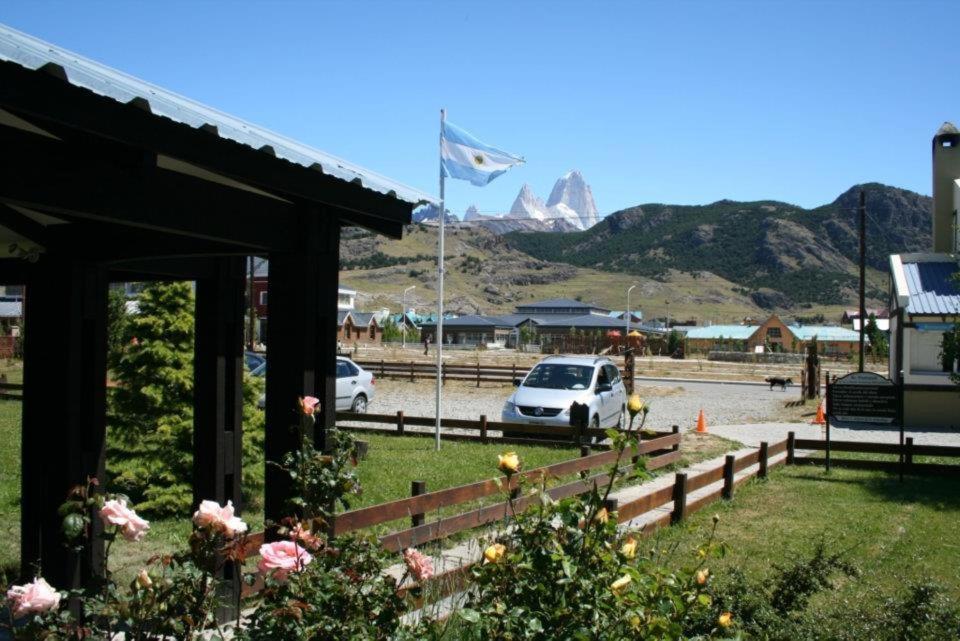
[753,434]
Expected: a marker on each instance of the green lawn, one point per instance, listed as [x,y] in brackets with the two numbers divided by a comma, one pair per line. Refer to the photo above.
[896,534]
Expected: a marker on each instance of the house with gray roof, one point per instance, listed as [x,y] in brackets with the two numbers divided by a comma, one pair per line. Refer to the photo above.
[925,302]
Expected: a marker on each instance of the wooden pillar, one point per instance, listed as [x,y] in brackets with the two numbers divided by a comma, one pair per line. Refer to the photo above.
[218,384]
[64,411]
[301,344]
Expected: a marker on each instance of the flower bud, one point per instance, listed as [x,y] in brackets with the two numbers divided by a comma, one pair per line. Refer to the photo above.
[144,580]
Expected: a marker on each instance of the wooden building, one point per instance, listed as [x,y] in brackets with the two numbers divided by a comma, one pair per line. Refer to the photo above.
[104,177]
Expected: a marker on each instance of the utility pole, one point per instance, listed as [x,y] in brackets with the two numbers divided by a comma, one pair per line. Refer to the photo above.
[863,264]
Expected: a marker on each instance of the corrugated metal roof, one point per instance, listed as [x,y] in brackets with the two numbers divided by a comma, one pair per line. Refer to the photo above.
[735,332]
[11,309]
[586,320]
[824,333]
[33,53]
[931,287]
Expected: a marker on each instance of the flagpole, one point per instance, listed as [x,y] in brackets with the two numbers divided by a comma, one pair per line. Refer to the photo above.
[439,337]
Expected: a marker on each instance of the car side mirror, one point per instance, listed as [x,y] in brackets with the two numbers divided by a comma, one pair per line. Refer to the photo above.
[604,387]
[517,382]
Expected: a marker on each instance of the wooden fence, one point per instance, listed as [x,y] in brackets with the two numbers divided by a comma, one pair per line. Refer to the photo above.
[11,391]
[662,451]
[531,434]
[414,370]
[673,503]
[904,462]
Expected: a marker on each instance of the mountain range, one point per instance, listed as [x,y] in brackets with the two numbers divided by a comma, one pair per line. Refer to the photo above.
[777,253]
[570,207]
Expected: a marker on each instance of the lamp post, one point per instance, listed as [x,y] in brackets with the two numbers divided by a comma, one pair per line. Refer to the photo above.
[627,315]
[403,314]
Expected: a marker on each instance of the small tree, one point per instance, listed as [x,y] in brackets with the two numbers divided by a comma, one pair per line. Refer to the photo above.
[527,336]
[150,439]
[673,342]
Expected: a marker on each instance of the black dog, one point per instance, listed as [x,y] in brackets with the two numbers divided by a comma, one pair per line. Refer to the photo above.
[776,380]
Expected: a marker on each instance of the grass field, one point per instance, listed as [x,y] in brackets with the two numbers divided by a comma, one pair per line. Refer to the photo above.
[896,534]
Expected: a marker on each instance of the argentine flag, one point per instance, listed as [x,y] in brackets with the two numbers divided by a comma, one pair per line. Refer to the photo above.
[463,156]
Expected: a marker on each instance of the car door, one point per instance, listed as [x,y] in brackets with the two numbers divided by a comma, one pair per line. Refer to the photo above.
[344,387]
[619,396]
[611,401]
[603,398]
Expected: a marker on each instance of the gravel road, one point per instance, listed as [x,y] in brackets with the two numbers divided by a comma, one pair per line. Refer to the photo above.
[670,404]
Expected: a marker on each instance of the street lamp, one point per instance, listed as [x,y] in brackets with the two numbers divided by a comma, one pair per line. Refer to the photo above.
[627,315]
[403,314]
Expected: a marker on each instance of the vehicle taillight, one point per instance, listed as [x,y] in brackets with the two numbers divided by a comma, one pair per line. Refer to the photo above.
[373,380]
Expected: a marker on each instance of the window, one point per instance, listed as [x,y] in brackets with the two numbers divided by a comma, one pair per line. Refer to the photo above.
[373,331]
[263,297]
[613,374]
[773,332]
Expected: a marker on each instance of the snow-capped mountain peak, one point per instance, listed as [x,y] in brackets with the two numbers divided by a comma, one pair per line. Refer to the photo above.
[528,205]
[574,192]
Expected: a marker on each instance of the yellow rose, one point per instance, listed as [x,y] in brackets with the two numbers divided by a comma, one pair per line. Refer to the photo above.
[509,462]
[702,576]
[635,622]
[494,553]
[635,405]
[602,516]
[143,579]
[629,548]
[725,620]
[620,584]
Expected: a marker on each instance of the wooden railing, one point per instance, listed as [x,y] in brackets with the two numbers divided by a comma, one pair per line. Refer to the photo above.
[904,462]
[661,451]
[11,391]
[481,428]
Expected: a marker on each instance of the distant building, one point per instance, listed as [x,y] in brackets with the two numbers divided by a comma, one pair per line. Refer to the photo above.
[774,335]
[561,307]
[925,301]
[346,297]
[469,330]
[358,327]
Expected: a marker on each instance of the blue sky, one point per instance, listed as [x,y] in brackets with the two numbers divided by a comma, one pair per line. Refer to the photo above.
[680,102]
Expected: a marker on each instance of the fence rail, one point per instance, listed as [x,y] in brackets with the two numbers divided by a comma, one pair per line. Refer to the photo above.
[482,428]
[11,391]
[904,464]
[414,370]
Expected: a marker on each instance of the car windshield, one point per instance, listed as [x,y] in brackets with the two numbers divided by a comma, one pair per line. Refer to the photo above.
[556,376]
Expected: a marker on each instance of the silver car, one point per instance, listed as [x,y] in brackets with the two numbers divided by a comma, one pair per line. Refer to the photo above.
[355,386]
[544,397]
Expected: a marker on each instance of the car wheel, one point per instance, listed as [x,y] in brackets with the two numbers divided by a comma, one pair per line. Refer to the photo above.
[594,425]
[359,404]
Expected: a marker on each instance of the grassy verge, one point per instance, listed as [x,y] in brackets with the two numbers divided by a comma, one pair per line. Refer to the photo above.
[896,534]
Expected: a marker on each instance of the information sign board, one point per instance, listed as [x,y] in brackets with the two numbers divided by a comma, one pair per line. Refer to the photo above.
[863,397]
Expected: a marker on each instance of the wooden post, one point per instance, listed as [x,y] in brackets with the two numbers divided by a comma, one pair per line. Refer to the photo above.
[382,371]
[416,489]
[513,377]
[411,372]
[478,373]
[791,438]
[728,464]
[764,456]
[679,498]
[908,454]
[584,451]
[675,429]
[610,505]
[483,428]
[302,334]
[63,442]
[400,422]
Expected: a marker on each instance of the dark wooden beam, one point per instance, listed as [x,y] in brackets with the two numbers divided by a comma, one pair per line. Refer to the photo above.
[62,442]
[218,393]
[301,341]
[15,271]
[23,225]
[71,183]
[41,98]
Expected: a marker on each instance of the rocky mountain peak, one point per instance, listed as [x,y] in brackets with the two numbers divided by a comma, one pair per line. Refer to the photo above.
[574,192]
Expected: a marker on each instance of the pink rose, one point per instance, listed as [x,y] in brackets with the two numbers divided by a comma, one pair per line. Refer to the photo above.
[116,513]
[307,538]
[282,558]
[221,519]
[419,564]
[31,598]
[309,405]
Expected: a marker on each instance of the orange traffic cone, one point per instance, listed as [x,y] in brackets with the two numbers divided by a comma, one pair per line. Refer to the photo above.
[820,419]
[701,423]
